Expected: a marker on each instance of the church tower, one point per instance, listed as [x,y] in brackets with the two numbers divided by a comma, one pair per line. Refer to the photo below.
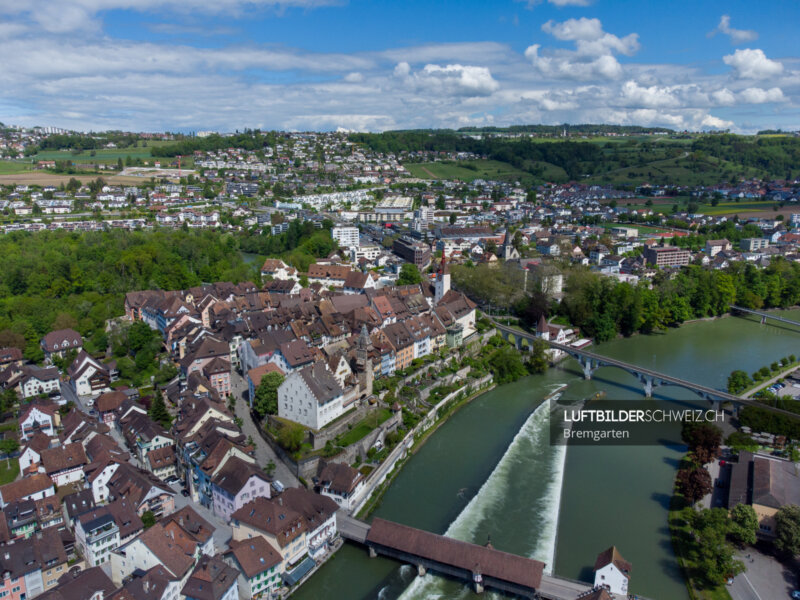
[364,363]
[442,285]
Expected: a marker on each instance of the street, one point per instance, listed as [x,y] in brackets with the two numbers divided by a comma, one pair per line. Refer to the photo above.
[264,453]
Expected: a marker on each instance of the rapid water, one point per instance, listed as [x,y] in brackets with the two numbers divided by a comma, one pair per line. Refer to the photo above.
[529,451]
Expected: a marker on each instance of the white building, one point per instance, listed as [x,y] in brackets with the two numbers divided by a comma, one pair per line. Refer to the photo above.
[612,572]
[97,535]
[346,237]
[310,396]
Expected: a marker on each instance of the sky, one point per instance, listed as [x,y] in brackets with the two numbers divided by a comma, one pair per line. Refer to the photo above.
[300,65]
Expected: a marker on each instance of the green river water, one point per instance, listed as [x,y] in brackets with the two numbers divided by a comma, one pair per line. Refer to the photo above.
[490,471]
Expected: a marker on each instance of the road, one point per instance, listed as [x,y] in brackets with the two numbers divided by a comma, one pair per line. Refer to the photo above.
[264,454]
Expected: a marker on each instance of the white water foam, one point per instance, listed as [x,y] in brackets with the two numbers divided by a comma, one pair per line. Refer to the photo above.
[530,437]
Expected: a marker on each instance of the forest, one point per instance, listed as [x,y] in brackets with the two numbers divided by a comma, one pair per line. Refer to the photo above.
[55,280]
[706,158]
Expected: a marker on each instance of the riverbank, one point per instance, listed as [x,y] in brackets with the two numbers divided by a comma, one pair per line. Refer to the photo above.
[374,500]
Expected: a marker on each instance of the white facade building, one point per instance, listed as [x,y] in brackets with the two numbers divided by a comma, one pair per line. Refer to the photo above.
[346,237]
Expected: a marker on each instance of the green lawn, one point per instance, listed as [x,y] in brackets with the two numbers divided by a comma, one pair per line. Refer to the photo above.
[363,428]
[11,167]
[106,155]
[463,170]
[8,470]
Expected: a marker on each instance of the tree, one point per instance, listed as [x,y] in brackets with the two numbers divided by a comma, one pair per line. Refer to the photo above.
[744,524]
[738,381]
[291,437]
[787,529]
[158,411]
[694,483]
[265,401]
[8,446]
[11,339]
[409,275]
[453,218]
[148,519]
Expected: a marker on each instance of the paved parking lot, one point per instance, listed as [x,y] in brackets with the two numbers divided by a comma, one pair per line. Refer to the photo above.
[764,579]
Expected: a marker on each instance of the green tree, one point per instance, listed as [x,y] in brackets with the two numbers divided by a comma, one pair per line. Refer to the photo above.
[409,275]
[148,519]
[787,529]
[291,437]
[744,524]
[8,446]
[738,380]
[265,401]
[158,411]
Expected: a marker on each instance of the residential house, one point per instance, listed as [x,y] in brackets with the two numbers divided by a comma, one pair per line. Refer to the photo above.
[341,483]
[58,343]
[39,380]
[285,529]
[319,512]
[65,465]
[89,584]
[88,376]
[141,489]
[162,462]
[236,483]
[212,579]
[260,567]
[154,584]
[32,487]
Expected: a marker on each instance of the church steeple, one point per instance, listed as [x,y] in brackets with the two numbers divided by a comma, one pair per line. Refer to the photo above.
[442,285]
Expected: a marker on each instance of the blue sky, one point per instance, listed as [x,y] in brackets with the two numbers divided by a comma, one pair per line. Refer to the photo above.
[185,65]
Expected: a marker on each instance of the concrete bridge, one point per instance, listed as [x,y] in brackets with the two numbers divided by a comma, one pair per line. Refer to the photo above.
[650,379]
[482,567]
[764,315]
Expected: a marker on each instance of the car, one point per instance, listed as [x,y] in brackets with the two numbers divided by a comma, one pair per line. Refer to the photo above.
[278,486]
[185,493]
[795,595]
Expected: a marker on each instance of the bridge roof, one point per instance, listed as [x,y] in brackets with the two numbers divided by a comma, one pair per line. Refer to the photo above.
[470,557]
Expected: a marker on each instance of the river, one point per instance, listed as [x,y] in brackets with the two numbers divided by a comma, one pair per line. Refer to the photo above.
[490,473]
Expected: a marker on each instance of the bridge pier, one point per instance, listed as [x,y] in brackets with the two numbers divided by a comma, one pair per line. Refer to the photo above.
[372,553]
[589,366]
[648,384]
[421,570]
[763,320]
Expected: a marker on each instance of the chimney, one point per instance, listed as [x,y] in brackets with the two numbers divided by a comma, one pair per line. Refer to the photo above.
[280,500]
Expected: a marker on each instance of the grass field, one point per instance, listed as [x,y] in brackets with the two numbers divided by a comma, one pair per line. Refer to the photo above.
[9,167]
[362,429]
[8,470]
[477,169]
[107,155]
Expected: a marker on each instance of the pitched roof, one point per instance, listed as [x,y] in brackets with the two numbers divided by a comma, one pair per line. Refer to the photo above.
[254,556]
[775,483]
[80,585]
[18,490]
[195,526]
[339,478]
[110,401]
[235,473]
[211,579]
[272,518]
[321,382]
[472,558]
[67,457]
[55,340]
[173,549]
[610,556]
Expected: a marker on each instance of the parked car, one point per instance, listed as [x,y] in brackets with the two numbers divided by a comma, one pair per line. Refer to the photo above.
[795,595]
[278,486]
[185,493]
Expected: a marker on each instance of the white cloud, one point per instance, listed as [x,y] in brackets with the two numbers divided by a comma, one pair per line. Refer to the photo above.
[454,79]
[755,95]
[712,122]
[738,36]
[651,97]
[354,77]
[562,3]
[724,97]
[753,64]
[593,56]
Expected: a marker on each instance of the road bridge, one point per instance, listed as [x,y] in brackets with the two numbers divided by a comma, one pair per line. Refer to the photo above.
[650,379]
[764,315]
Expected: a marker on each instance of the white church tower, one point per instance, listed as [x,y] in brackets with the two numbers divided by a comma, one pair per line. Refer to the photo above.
[442,285]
